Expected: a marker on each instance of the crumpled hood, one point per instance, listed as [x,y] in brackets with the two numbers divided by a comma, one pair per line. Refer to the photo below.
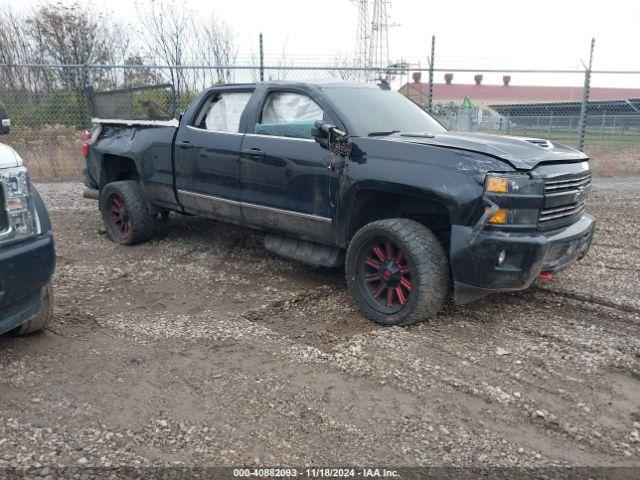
[9,157]
[517,151]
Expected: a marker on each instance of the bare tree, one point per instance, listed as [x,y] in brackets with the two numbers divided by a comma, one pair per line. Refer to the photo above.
[169,31]
[139,75]
[281,62]
[73,41]
[216,47]
[72,35]
[343,64]
[17,47]
[118,47]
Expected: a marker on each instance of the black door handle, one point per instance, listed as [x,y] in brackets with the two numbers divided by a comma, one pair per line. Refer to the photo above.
[185,144]
[254,153]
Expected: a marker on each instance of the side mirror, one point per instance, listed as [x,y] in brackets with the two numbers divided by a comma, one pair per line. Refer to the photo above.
[5,126]
[320,133]
[5,123]
[331,138]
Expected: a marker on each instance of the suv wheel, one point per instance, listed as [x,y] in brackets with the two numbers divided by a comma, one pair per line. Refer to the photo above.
[125,213]
[41,320]
[398,271]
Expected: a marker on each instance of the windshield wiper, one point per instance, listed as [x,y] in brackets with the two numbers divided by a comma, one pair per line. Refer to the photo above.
[382,134]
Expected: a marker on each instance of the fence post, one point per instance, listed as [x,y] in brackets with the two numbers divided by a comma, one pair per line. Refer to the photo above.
[86,109]
[585,99]
[431,60]
[261,59]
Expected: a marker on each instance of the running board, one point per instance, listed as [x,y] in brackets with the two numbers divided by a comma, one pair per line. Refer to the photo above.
[303,251]
[91,193]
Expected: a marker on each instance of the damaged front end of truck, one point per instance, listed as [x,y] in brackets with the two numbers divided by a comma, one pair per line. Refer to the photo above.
[532,225]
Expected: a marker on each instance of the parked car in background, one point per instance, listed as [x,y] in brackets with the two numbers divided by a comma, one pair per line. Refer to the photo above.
[5,121]
[352,174]
[27,254]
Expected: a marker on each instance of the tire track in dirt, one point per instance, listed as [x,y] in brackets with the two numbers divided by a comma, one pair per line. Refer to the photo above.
[592,299]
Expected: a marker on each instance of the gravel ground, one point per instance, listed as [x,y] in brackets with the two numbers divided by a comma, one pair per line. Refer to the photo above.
[200,348]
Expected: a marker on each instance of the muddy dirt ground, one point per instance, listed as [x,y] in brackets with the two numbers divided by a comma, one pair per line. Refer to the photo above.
[200,348]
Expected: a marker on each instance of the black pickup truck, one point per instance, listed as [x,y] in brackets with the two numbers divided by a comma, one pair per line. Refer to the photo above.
[352,174]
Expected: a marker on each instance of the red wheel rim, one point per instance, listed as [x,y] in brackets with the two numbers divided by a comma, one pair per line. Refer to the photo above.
[385,275]
[120,215]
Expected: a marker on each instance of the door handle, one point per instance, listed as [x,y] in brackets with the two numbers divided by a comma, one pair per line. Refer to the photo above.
[253,153]
[184,144]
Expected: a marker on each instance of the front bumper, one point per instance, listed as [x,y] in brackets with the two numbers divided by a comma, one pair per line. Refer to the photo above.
[475,268]
[25,268]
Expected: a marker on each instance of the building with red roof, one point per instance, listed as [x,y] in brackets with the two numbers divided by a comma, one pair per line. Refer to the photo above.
[483,95]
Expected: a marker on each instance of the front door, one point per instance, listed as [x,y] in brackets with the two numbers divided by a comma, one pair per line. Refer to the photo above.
[207,163]
[285,180]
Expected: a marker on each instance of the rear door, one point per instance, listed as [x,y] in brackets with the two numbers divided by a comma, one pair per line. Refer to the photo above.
[207,150]
[286,182]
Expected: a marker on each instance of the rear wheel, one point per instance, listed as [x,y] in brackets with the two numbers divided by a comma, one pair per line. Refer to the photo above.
[125,213]
[397,271]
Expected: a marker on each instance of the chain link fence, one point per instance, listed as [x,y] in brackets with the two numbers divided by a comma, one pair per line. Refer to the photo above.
[49,106]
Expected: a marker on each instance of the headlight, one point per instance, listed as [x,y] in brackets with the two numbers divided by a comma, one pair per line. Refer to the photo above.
[513,184]
[519,194]
[18,210]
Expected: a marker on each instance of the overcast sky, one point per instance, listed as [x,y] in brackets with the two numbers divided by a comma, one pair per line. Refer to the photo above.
[551,34]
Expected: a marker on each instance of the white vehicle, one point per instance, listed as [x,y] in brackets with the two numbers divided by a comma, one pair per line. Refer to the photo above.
[27,254]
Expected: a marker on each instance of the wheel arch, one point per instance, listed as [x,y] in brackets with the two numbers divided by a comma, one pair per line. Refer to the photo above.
[371,201]
[114,168]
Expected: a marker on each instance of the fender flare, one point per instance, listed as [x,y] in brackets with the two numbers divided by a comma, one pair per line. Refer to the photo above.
[349,199]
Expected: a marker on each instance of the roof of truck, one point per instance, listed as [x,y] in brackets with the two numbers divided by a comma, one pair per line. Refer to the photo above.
[323,83]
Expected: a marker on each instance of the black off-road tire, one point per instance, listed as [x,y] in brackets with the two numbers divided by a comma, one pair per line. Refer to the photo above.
[424,267]
[42,318]
[134,224]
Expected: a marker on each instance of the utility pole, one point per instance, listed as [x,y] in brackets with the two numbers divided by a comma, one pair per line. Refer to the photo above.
[379,44]
[363,34]
[431,61]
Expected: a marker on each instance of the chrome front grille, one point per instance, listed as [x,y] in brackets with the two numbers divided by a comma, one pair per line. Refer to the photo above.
[567,184]
[565,199]
[561,212]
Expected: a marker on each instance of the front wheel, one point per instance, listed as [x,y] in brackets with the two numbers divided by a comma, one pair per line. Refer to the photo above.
[125,213]
[44,315]
[398,271]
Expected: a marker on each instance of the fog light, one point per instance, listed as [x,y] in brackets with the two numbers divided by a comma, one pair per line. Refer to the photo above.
[502,257]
